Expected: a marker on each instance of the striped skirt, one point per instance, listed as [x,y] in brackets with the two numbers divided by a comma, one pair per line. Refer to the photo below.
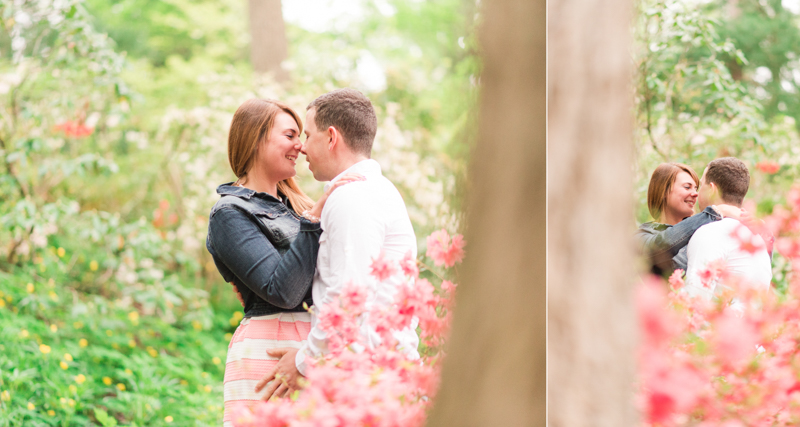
[248,361]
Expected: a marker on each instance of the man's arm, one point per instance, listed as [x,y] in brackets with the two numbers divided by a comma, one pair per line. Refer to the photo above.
[354,234]
[704,248]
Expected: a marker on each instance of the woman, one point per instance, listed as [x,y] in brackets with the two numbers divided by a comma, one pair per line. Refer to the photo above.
[671,197]
[263,235]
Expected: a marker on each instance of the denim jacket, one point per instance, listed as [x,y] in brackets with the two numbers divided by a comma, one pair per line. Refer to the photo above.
[664,246]
[264,248]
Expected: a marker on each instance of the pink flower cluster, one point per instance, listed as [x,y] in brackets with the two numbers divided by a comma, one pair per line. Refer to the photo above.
[724,362]
[443,251]
[360,385]
[74,129]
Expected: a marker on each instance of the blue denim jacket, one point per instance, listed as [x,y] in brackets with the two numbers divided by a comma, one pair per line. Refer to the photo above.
[264,248]
[664,246]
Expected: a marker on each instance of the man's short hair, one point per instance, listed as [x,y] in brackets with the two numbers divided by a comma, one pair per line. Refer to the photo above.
[732,178]
[351,113]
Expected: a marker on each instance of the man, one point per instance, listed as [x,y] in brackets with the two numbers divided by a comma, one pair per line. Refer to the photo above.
[360,221]
[726,244]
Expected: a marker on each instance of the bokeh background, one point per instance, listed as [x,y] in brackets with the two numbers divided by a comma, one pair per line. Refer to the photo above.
[113,132]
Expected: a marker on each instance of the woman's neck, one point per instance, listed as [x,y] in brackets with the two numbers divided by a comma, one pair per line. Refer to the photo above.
[669,218]
[260,184]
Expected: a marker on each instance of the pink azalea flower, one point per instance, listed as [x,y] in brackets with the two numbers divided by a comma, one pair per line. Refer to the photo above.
[768,167]
[443,251]
[382,268]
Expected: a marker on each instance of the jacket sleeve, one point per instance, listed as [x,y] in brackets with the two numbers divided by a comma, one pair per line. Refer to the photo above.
[282,281]
[657,244]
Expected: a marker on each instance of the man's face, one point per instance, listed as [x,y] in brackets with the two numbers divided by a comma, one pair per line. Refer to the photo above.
[315,148]
[705,193]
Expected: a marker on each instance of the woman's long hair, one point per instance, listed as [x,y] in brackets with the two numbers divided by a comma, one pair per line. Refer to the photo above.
[251,125]
[661,184]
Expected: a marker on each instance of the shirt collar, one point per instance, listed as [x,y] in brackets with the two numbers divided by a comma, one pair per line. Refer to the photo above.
[368,168]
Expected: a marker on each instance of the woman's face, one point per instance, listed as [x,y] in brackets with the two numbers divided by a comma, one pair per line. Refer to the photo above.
[682,197]
[278,155]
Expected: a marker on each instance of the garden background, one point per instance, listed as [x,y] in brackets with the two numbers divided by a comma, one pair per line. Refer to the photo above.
[113,124]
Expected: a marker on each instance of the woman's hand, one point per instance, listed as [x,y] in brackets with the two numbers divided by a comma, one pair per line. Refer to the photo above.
[315,212]
[729,211]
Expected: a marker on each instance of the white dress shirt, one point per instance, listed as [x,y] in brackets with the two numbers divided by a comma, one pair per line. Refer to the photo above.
[359,221]
[716,241]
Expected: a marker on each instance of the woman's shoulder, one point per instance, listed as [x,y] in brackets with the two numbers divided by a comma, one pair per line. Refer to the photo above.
[652,227]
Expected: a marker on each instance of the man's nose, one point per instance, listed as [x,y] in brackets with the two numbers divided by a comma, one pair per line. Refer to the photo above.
[303,148]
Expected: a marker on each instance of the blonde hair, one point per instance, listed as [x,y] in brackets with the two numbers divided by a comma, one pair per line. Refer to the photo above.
[251,125]
[661,184]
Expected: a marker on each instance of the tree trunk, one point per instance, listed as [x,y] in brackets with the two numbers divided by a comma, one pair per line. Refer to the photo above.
[591,328]
[268,46]
[494,374]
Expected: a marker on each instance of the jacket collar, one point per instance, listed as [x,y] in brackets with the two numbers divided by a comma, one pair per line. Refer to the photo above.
[229,189]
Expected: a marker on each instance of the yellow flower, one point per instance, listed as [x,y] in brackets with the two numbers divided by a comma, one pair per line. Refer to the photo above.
[68,357]
[29,288]
[44,348]
[168,418]
[71,402]
[2,303]
[134,316]
[207,389]
[9,298]
[53,296]
[83,342]
[73,389]
[121,387]
[63,365]
[31,406]
[5,396]
[129,372]
[80,378]
[106,380]
[42,268]
[94,265]
[115,346]
[61,252]
[228,336]
[77,325]
[184,382]
[216,360]
[147,406]
[109,333]
[152,351]
[132,343]
[23,333]
[63,401]
[51,412]
[196,325]
[204,374]
[54,328]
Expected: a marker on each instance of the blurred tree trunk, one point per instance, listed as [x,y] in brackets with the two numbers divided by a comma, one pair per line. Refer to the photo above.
[494,374]
[268,47]
[591,322]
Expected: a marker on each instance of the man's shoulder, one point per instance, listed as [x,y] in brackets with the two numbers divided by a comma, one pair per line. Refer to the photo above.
[717,228]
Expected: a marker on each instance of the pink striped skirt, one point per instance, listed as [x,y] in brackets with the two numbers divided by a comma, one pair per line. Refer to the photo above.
[248,361]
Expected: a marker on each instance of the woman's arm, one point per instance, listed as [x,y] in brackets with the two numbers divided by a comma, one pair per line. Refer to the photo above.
[666,243]
[282,281]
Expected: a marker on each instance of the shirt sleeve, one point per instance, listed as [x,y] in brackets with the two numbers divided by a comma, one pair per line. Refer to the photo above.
[354,235]
[282,281]
[703,248]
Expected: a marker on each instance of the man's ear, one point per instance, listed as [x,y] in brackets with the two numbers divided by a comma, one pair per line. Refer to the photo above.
[334,136]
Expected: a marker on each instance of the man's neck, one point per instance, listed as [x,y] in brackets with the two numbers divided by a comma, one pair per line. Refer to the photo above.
[347,163]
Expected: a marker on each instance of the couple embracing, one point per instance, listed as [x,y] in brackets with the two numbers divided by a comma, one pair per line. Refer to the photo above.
[721,236]
[281,250]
